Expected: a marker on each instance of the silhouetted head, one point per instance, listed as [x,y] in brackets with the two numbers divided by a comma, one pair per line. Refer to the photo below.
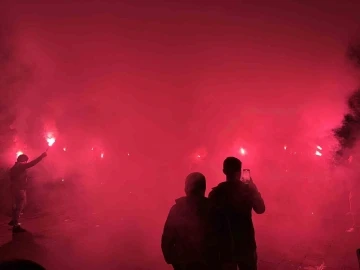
[22,158]
[232,168]
[20,265]
[195,184]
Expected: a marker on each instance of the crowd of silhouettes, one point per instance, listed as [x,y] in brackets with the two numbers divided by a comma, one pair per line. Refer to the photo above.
[200,233]
[215,232]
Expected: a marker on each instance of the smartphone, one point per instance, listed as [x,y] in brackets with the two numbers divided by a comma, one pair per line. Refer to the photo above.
[246,177]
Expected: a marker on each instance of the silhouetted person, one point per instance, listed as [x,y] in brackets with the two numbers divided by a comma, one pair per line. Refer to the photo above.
[189,240]
[18,178]
[20,265]
[236,199]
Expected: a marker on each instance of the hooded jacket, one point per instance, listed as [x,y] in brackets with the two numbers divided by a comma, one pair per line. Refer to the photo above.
[191,232]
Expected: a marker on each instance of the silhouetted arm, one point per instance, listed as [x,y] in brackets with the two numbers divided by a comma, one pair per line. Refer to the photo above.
[168,236]
[258,203]
[33,162]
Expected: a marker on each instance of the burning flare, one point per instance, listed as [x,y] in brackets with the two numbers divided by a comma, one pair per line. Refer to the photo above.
[50,140]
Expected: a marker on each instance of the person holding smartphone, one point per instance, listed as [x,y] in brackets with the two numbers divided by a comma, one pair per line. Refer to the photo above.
[236,198]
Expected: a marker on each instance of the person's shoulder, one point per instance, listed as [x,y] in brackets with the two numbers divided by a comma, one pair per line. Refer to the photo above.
[15,167]
[174,209]
[179,202]
[219,188]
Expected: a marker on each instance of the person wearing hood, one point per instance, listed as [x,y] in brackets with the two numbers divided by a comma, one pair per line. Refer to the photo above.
[236,200]
[189,240]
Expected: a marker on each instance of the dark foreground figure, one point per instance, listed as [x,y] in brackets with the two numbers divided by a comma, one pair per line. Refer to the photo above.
[194,235]
[18,178]
[20,265]
[236,200]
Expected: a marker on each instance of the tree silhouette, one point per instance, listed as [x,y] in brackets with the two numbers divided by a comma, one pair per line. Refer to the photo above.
[353,53]
[348,133]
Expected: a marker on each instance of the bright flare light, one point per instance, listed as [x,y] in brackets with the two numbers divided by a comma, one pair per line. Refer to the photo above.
[285,147]
[317,153]
[319,147]
[18,153]
[64,149]
[102,155]
[242,151]
[50,140]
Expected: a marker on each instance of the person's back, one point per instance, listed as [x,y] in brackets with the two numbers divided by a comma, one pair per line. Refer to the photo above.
[18,176]
[187,237]
[191,218]
[236,200]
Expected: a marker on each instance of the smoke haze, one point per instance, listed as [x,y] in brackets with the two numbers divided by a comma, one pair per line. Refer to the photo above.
[154,84]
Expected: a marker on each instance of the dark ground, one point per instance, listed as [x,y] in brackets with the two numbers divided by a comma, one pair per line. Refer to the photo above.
[73,239]
[70,229]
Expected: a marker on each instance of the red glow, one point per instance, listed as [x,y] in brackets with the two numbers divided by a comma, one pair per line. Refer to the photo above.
[318,153]
[199,155]
[183,85]
[18,153]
